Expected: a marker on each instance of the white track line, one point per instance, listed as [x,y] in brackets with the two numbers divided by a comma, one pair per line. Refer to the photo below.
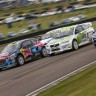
[34,93]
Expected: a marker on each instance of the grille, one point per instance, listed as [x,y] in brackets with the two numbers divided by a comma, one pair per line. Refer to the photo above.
[55,47]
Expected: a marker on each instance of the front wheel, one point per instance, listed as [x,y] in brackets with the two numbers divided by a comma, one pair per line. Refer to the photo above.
[20,60]
[95,45]
[75,45]
[44,52]
[52,54]
[0,69]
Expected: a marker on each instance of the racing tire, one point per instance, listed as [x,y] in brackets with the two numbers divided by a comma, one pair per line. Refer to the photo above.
[43,52]
[20,60]
[0,69]
[75,45]
[95,45]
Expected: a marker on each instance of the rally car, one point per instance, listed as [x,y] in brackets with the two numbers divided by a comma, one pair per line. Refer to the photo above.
[94,38]
[71,37]
[18,52]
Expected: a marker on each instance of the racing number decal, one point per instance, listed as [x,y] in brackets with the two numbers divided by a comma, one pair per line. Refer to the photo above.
[79,36]
[82,37]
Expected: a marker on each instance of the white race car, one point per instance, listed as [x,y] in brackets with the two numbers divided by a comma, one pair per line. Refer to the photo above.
[71,37]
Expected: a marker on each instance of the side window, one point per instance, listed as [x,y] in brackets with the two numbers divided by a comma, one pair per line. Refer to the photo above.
[85,26]
[78,29]
[34,41]
[26,44]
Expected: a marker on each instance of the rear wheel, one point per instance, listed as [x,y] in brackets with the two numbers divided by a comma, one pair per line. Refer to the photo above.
[20,60]
[44,52]
[75,45]
[0,69]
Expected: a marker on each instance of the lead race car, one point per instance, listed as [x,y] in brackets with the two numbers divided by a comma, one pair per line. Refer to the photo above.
[17,53]
[70,37]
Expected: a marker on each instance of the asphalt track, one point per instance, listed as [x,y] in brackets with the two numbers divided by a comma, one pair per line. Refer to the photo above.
[20,81]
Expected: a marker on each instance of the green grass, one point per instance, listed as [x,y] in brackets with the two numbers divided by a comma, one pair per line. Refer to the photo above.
[94,25]
[46,20]
[82,84]
[16,27]
[2,47]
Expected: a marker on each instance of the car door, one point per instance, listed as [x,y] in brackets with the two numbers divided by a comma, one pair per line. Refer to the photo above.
[89,31]
[81,34]
[26,49]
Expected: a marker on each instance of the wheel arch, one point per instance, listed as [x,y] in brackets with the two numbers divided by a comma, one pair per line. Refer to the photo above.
[19,54]
[73,44]
[75,40]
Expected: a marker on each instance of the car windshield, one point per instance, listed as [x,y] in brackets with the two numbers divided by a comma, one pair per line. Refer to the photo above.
[10,48]
[58,34]
[62,34]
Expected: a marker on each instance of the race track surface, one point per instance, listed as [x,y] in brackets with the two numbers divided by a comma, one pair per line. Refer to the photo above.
[20,81]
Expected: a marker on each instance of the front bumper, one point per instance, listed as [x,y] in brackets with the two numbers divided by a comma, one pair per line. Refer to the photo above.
[59,49]
[7,63]
[94,40]
[2,64]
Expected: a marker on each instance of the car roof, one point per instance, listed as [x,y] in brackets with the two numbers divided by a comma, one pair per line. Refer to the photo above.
[63,29]
[20,41]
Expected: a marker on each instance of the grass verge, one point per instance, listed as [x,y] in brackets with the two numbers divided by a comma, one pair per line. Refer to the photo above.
[82,84]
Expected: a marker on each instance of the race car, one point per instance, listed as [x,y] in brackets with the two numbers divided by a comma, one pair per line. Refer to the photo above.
[94,38]
[70,37]
[18,52]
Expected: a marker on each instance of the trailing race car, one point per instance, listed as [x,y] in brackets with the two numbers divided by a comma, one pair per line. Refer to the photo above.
[71,37]
[94,38]
[17,53]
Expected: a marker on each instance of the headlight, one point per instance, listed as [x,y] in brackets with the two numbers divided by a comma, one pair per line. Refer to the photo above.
[47,46]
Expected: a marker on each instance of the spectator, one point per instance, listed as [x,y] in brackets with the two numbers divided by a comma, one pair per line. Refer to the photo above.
[34,26]
[8,21]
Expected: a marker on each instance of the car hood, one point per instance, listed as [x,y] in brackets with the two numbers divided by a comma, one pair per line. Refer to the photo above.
[46,40]
[60,40]
[4,56]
